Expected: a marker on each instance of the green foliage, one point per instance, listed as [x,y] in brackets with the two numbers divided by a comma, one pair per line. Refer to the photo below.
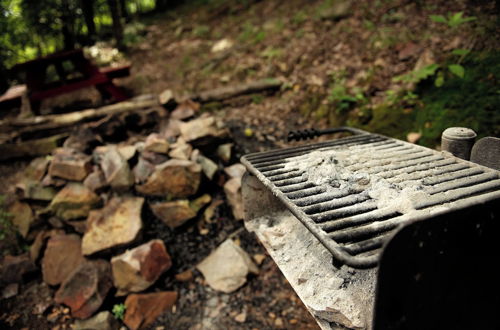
[453,20]
[472,101]
[257,98]
[251,34]
[457,70]
[119,311]
[8,238]
[343,99]
[299,17]
[460,52]
[6,227]
[417,76]
[201,31]
[271,53]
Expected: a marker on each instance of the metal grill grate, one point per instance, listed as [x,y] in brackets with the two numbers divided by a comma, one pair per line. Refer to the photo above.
[352,193]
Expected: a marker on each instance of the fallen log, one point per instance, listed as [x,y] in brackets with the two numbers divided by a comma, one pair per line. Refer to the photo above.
[63,120]
[223,93]
[32,148]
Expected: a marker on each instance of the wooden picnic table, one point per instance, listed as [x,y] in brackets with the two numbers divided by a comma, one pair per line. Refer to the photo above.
[72,71]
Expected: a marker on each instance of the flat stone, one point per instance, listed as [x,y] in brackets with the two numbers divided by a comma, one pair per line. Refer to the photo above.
[226,268]
[36,169]
[95,180]
[198,128]
[176,213]
[180,149]
[185,110]
[208,166]
[167,98]
[142,170]
[86,288]
[154,158]
[33,190]
[224,152]
[175,178]
[127,151]
[116,170]
[22,217]
[156,143]
[81,139]
[172,129]
[232,188]
[173,214]
[49,180]
[13,268]
[235,171]
[144,309]
[70,164]
[39,242]
[62,255]
[74,201]
[101,321]
[118,223]
[138,268]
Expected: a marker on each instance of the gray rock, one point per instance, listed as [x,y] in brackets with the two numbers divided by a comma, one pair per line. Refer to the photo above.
[116,170]
[226,268]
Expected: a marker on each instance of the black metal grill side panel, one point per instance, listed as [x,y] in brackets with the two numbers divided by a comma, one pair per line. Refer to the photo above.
[348,220]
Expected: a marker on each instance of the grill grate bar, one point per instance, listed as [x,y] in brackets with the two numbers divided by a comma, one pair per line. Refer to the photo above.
[345,211]
[366,245]
[289,182]
[462,172]
[412,162]
[306,192]
[324,197]
[335,203]
[453,195]
[297,187]
[466,182]
[375,215]
[441,168]
[290,174]
[257,158]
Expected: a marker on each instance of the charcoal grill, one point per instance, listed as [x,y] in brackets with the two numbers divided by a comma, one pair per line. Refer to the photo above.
[355,193]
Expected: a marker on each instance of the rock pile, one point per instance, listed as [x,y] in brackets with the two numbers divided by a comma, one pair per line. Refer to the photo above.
[82,210]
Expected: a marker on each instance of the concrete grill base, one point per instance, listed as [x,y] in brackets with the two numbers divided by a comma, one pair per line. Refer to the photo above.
[338,298]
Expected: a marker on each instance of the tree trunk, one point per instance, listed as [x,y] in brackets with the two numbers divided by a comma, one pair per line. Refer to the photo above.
[117,23]
[88,14]
[67,26]
[161,5]
[124,11]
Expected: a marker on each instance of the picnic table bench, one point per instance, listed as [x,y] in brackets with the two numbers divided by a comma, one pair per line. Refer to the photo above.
[73,71]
